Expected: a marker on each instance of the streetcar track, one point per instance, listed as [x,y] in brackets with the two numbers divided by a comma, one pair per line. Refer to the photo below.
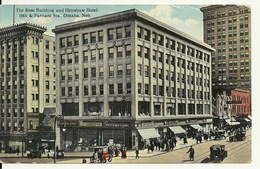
[229,146]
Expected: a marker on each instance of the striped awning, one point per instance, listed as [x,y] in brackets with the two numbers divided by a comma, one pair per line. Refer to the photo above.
[177,129]
[232,123]
[196,126]
[148,133]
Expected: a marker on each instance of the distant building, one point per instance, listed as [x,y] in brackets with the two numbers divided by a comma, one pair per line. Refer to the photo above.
[244,108]
[27,84]
[126,77]
[227,28]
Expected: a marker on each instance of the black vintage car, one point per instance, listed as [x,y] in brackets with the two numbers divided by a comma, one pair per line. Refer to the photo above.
[217,153]
[220,134]
[238,136]
[34,154]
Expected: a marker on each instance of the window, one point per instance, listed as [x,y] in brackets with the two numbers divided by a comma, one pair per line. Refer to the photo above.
[111,34]
[119,51]
[47,84]
[94,90]
[128,69]
[69,41]
[70,75]
[120,70]
[101,89]
[139,69]
[62,42]
[146,71]
[70,91]
[47,44]
[128,31]
[147,53]
[47,58]
[146,88]
[76,57]
[93,55]
[85,90]
[85,56]
[63,91]
[100,54]
[70,58]
[76,40]
[93,72]
[76,74]
[47,71]
[101,71]
[128,50]
[100,36]
[119,33]
[47,98]
[62,59]
[139,88]
[120,88]
[85,73]
[154,72]
[93,37]
[147,35]
[77,90]
[111,89]
[111,53]
[128,88]
[85,38]
[111,70]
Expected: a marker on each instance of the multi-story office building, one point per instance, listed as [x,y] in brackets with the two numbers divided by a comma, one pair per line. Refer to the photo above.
[27,85]
[227,28]
[126,76]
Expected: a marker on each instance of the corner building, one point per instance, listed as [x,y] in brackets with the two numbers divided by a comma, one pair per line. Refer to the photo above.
[126,77]
[27,85]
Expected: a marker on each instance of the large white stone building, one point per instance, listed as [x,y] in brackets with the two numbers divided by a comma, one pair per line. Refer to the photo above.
[126,76]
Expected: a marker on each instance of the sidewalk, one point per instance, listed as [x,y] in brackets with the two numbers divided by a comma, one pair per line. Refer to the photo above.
[130,153]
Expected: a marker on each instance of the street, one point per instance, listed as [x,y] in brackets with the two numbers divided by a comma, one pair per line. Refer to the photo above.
[238,152]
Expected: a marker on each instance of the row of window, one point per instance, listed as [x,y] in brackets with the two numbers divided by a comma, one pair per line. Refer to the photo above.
[13,97]
[68,91]
[226,13]
[96,54]
[96,36]
[6,85]
[13,41]
[145,34]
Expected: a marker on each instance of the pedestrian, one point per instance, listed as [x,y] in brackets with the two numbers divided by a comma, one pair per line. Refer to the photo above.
[17,150]
[192,152]
[185,140]
[137,153]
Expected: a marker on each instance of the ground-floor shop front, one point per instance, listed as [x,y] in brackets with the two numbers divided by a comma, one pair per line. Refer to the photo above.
[80,135]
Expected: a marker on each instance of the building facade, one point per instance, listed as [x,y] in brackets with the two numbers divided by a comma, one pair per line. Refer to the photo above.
[126,77]
[244,108]
[227,28]
[27,84]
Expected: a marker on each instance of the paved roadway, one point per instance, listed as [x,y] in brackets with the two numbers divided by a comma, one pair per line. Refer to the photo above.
[238,152]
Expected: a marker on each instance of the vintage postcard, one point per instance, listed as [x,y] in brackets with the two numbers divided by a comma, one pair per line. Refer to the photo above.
[126,84]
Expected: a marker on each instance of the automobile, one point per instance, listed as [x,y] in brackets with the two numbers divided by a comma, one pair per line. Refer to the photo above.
[238,136]
[217,153]
[220,134]
[101,155]
[60,154]
[34,154]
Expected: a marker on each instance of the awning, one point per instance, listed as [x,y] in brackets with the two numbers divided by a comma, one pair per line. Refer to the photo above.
[247,120]
[232,122]
[196,126]
[177,129]
[148,133]
[249,117]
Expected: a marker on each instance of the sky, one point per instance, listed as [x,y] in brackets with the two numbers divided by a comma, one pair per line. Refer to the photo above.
[187,18]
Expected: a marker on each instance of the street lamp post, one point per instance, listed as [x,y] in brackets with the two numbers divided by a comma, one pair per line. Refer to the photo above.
[56,118]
